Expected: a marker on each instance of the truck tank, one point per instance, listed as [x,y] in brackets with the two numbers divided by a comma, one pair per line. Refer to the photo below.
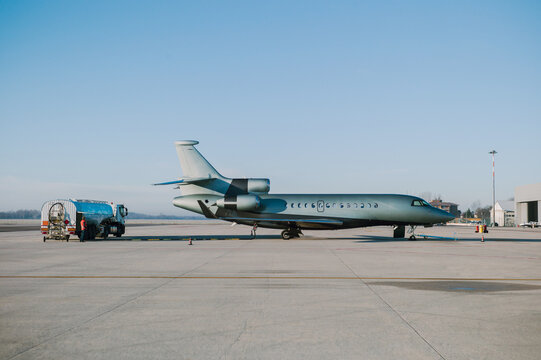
[95,212]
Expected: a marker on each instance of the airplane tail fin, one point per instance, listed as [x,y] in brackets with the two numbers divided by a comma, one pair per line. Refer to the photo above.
[193,164]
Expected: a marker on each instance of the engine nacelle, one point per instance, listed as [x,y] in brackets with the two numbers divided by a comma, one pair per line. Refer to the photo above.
[239,202]
[259,185]
[243,186]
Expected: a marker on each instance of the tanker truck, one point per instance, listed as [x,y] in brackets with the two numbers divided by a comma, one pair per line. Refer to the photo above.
[62,218]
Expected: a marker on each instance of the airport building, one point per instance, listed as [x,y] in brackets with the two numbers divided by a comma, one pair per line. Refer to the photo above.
[505,213]
[528,203]
[450,207]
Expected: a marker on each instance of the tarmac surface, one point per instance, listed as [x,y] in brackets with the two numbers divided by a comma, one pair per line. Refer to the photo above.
[349,294]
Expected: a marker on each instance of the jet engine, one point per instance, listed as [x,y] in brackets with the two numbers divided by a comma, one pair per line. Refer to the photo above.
[239,202]
[243,186]
[259,185]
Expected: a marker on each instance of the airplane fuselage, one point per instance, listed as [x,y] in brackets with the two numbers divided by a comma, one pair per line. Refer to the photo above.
[349,210]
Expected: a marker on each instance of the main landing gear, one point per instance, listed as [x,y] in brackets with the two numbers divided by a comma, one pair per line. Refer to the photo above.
[254,229]
[399,231]
[290,233]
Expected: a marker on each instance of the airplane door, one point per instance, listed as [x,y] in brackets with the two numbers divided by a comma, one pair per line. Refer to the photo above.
[320,206]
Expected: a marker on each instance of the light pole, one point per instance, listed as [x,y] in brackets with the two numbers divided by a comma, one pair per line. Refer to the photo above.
[493,152]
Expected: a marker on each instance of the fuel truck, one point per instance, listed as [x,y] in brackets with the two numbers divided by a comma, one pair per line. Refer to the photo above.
[62,218]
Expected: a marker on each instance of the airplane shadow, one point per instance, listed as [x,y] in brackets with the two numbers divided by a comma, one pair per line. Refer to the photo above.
[361,239]
[188,237]
[378,239]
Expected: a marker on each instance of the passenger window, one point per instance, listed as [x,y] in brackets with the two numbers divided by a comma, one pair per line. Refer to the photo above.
[375,205]
[368,205]
[328,205]
[292,205]
[349,205]
[305,205]
[313,206]
[333,205]
[355,205]
[362,205]
[341,205]
[299,205]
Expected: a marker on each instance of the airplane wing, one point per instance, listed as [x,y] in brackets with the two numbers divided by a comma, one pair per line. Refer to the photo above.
[314,221]
[311,221]
[206,210]
[323,221]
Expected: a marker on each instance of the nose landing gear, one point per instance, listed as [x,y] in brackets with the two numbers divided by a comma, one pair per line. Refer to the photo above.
[412,232]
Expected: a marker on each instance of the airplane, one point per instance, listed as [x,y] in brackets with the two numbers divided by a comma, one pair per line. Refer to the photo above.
[247,201]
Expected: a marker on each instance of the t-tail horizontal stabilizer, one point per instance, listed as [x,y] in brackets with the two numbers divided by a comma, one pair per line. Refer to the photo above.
[184,181]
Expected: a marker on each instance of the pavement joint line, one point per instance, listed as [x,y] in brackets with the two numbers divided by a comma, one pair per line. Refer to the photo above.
[258,277]
[396,312]
[75,326]
[146,292]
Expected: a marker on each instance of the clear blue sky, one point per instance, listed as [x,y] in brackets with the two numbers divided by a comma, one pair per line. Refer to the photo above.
[319,96]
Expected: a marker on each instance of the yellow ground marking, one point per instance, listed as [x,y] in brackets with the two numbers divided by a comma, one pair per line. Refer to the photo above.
[257,277]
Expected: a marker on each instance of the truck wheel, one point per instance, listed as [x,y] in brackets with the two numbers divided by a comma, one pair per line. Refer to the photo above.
[105,233]
[120,230]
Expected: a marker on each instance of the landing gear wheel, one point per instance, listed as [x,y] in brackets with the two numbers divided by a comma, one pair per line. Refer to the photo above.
[286,235]
[44,239]
[412,237]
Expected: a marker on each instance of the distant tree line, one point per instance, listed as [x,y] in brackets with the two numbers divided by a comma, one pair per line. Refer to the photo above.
[134,216]
[20,214]
[482,213]
[36,214]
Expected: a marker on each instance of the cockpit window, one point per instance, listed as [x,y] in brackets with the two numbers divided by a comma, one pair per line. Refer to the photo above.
[419,203]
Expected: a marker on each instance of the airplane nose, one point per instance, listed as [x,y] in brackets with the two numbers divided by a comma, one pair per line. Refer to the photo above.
[444,216]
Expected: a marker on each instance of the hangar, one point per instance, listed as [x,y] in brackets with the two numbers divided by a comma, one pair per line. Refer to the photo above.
[505,213]
[528,203]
